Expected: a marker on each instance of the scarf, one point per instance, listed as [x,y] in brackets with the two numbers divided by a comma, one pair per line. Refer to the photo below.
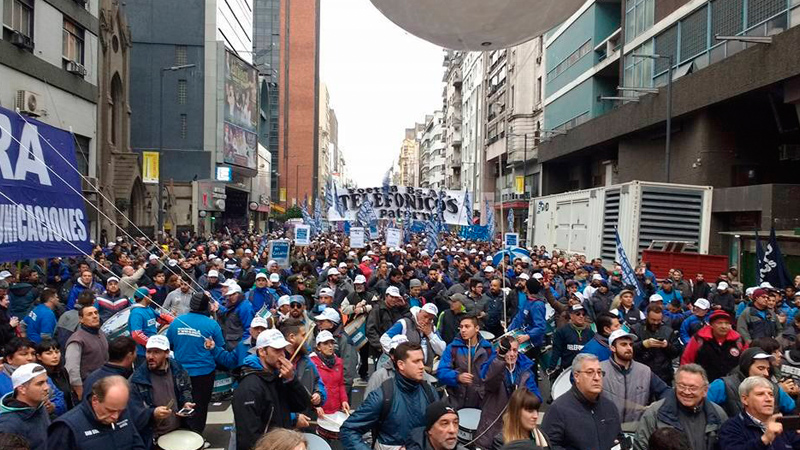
[329,361]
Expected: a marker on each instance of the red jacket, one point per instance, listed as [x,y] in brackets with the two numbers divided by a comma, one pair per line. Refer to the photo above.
[690,352]
[365,270]
[333,378]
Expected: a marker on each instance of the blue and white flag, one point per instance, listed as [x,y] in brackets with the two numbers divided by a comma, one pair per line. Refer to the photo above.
[329,194]
[489,219]
[468,206]
[407,226]
[337,202]
[304,212]
[432,233]
[385,187]
[42,210]
[367,218]
[439,213]
[511,220]
[628,275]
[771,267]
[317,216]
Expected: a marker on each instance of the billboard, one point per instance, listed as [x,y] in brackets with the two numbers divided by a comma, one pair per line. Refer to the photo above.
[240,141]
[42,210]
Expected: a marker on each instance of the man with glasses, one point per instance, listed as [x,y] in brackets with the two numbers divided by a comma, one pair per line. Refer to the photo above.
[629,384]
[569,340]
[684,409]
[583,418]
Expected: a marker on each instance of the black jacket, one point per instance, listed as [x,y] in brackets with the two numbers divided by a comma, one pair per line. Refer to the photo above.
[575,423]
[380,319]
[78,429]
[263,401]
[568,341]
[659,360]
[30,423]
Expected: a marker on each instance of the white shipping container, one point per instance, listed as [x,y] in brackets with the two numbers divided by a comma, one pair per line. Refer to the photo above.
[584,221]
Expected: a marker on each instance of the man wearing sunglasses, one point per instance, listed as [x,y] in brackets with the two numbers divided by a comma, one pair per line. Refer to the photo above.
[569,340]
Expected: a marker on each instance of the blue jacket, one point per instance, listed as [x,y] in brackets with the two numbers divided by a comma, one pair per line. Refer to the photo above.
[57,398]
[40,321]
[687,325]
[741,433]
[446,372]
[77,289]
[53,270]
[511,380]
[187,335]
[531,318]
[718,394]
[30,423]
[598,346]
[5,383]
[79,430]
[259,297]
[407,412]
[236,320]
[144,319]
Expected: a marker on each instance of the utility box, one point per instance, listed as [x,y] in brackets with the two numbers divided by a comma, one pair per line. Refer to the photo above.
[584,221]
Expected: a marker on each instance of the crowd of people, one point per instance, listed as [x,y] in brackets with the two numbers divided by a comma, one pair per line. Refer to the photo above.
[122,347]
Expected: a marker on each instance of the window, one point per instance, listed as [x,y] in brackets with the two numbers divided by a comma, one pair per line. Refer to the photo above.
[570,60]
[184,126]
[666,43]
[181,92]
[82,154]
[72,42]
[694,34]
[18,16]
[638,17]
[180,55]
[761,10]
[727,17]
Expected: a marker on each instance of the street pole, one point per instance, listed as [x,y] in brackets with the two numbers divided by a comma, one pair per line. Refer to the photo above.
[161,154]
[669,119]
[525,164]
[297,183]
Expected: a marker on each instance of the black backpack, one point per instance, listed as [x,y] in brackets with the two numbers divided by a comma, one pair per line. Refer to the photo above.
[387,389]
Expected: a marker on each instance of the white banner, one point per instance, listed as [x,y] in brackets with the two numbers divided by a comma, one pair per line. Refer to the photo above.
[421,203]
[356,237]
[511,239]
[394,237]
[302,234]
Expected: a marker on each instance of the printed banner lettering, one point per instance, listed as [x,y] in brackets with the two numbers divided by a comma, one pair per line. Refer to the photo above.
[356,237]
[419,202]
[41,215]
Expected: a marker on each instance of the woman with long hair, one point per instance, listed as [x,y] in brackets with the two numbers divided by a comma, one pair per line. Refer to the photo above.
[282,439]
[521,419]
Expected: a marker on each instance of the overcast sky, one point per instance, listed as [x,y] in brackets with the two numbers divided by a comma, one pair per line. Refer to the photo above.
[381,81]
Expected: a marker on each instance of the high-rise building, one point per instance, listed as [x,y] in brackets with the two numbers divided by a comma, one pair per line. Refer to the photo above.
[286,49]
[408,164]
[325,150]
[453,118]
[194,97]
[432,152]
[472,145]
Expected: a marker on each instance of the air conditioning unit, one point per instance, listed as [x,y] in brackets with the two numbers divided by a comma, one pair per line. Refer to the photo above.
[29,103]
[21,41]
[89,184]
[538,60]
[76,68]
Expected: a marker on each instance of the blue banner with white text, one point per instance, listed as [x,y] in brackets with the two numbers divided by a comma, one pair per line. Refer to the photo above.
[42,211]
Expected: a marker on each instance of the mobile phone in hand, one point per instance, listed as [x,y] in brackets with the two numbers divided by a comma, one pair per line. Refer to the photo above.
[186,412]
[789,422]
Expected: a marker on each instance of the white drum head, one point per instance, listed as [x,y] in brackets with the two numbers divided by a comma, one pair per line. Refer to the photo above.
[315,442]
[486,335]
[181,440]
[562,385]
[468,418]
[332,422]
[117,321]
[549,312]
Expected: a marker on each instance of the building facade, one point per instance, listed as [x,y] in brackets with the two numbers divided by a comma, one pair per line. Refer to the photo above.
[432,152]
[472,146]
[49,69]
[407,171]
[453,118]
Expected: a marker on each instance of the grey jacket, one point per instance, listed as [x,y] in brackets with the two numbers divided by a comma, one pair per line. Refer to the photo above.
[631,389]
[664,413]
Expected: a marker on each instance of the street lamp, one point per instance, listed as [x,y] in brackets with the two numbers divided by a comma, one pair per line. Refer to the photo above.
[161,141]
[670,60]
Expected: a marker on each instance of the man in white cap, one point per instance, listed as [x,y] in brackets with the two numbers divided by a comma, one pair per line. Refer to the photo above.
[234,316]
[419,329]
[390,310]
[163,387]
[262,293]
[324,301]
[23,410]
[265,399]
[628,383]
[696,321]
[589,290]
[211,283]
[723,298]
[360,303]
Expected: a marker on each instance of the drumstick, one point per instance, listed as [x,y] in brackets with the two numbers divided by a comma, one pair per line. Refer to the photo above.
[297,350]
[469,357]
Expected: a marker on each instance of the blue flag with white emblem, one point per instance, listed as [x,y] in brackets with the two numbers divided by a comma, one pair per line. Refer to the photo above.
[628,275]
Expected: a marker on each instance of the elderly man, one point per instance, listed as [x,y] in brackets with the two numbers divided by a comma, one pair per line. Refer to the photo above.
[130,278]
[684,409]
[628,383]
[570,339]
[583,418]
[24,411]
[419,329]
[757,427]
[100,423]
[440,431]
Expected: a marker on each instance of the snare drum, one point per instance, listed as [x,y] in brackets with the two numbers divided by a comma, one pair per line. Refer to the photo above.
[468,419]
[562,385]
[356,330]
[487,335]
[315,442]
[181,440]
[117,325]
[328,425]
[525,346]
[223,386]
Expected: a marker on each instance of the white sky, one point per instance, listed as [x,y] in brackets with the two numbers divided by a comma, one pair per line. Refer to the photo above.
[381,81]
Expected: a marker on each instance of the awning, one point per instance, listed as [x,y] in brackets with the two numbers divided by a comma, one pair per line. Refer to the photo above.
[278,208]
[263,208]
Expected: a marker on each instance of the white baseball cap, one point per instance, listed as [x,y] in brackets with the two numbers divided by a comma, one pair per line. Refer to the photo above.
[234,289]
[538,276]
[328,314]
[360,279]
[230,282]
[158,341]
[259,322]
[213,273]
[324,336]
[333,271]
[597,276]
[620,333]
[114,279]
[393,291]
[328,292]
[270,338]
[229,252]
[702,303]
[488,269]
[284,300]
[488,257]
[25,373]
[247,251]
[5,274]
[723,285]
[343,265]
[365,259]
[274,278]
[656,298]
[524,276]
[261,275]
[397,340]
[152,257]
[430,308]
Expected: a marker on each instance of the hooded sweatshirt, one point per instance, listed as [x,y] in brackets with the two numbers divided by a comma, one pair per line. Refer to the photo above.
[30,423]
